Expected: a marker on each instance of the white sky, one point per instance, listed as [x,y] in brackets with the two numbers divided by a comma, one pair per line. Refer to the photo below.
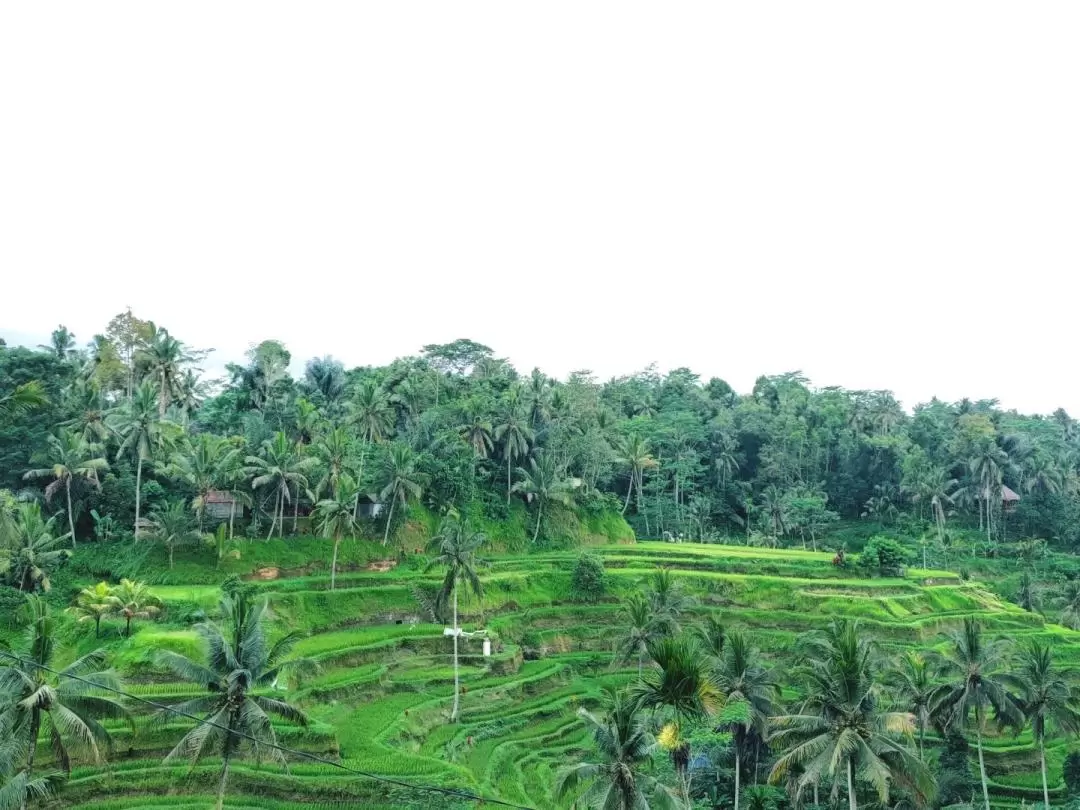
[881,195]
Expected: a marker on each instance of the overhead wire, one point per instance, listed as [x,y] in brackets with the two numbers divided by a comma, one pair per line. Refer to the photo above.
[454,792]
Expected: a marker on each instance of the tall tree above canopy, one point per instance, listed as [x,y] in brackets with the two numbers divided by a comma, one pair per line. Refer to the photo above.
[70,458]
[144,436]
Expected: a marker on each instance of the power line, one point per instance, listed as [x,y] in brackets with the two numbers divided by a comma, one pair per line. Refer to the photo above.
[460,794]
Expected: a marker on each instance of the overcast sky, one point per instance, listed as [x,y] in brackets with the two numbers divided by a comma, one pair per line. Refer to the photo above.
[882,195]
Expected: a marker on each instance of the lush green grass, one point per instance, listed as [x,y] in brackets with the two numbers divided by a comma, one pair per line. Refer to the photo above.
[381,698]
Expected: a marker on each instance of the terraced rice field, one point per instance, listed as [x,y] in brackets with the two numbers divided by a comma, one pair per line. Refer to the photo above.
[382,697]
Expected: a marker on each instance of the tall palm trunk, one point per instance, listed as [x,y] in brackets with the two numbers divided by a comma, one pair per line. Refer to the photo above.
[1042,764]
[273,520]
[389,520]
[138,494]
[629,489]
[333,562]
[222,783]
[539,516]
[852,805]
[457,679]
[232,517]
[71,514]
[982,763]
[35,728]
[508,480]
[296,507]
[737,775]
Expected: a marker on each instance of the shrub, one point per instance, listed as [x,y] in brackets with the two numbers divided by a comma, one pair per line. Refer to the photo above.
[1071,773]
[883,556]
[587,583]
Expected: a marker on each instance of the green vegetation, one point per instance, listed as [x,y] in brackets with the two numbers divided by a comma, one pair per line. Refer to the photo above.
[847,607]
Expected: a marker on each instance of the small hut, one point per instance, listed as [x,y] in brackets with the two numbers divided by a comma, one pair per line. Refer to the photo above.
[219,505]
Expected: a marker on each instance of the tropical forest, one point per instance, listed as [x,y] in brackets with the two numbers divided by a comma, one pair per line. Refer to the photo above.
[448,582]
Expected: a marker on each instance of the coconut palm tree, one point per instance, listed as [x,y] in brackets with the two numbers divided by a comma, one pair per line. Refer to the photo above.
[70,457]
[401,480]
[1047,699]
[133,600]
[65,708]
[915,681]
[620,781]
[279,468]
[172,526]
[142,433]
[164,358]
[476,430]
[32,552]
[639,628]
[726,460]
[680,685]
[774,505]
[22,399]
[633,453]
[240,662]
[202,464]
[668,600]
[455,546]
[61,343]
[749,693]
[1069,602]
[975,668]
[94,604]
[83,399]
[987,467]
[335,516]
[333,448]
[841,730]
[371,412]
[543,483]
[512,431]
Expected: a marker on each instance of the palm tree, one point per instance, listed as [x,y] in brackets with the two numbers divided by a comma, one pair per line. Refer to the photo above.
[455,547]
[371,413]
[278,468]
[61,343]
[69,457]
[23,399]
[333,449]
[668,600]
[679,683]
[625,746]
[203,465]
[640,630]
[239,661]
[915,682]
[336,518]
[93,604]
[173,526]
[544,483]
[65,705]
[841,730]
[1046,699]
[513,432]
[84,400]
[726,462]
[975,668]
[749,693]
[133,600]
[476,431]
[633,452]
[936,488]
[774,504]
[987,468]
[401,480]
[32,552]
[1070,604]
[164,358]
[142,434]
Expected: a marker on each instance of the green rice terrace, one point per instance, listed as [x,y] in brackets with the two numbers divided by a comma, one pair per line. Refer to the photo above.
[380,700]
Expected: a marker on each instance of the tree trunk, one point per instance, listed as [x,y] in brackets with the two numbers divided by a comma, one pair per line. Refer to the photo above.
[296,508]
[71,514]
[539,516]
[816,803]
[127,628]
[457,679]
[221,785]
[1042,763]
[170,555]
[138,494]
[640,661]
[507,479]
[273,519]
[232,516]
[281,521]
[97,626]
[982,763]
[389,520]
[333,563]
[35,728]
[737,769]
[850,788]
[629,489]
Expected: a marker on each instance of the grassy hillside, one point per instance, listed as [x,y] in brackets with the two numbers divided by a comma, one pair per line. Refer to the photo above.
[382,696]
